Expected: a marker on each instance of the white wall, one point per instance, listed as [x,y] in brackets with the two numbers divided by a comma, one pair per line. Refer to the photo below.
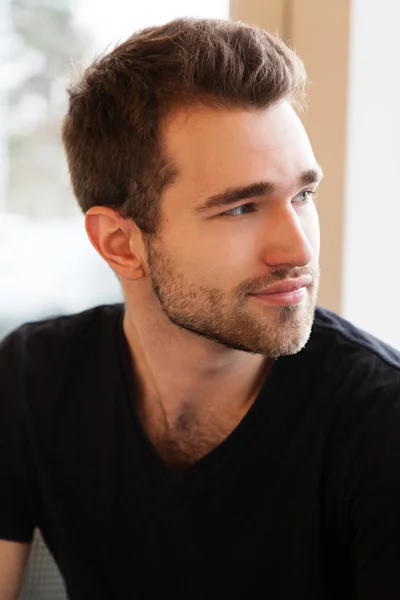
[371,284]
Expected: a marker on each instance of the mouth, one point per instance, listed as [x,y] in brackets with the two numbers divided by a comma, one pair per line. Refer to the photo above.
[289,292]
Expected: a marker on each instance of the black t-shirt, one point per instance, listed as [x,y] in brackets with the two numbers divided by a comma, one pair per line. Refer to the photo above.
[301,500]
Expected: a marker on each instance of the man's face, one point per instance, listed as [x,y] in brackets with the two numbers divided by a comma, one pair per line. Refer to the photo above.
[239,218]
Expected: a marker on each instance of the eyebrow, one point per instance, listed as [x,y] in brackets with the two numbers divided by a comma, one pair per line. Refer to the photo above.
[254,190]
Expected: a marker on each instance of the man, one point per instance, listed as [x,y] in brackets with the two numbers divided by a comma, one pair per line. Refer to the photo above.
[218,436]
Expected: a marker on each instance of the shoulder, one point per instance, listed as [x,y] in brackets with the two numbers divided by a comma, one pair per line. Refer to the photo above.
[53,335]
[350,378]
[358,379]
[349,352]
[338,332]
[37,354]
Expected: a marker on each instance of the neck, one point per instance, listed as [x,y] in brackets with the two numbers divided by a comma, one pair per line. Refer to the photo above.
[177,369]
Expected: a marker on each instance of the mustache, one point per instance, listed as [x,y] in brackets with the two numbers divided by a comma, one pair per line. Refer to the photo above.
[252,286]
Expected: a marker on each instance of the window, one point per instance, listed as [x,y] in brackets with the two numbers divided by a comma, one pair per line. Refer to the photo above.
[47,265]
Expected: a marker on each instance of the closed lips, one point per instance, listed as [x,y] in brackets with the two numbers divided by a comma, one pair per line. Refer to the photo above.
[287,286]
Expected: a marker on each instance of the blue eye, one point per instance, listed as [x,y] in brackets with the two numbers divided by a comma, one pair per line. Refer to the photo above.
[243,209]
[305,196]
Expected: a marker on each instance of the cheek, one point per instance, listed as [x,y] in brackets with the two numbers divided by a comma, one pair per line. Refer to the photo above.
[216,257]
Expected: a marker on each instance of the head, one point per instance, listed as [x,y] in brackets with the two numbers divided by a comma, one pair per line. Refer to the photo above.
[196,175]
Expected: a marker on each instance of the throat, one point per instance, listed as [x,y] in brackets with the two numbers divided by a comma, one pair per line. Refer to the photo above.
[182,432]
[183,441]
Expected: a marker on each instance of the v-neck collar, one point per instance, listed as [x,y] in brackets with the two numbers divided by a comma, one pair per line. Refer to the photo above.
[258,411]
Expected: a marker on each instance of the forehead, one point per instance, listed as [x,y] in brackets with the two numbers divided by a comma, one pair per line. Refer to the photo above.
[215,148]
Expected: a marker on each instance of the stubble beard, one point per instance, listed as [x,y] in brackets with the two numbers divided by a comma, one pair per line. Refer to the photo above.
[209,312]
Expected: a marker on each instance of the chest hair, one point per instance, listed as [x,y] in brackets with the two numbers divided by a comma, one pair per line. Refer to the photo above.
[190,436]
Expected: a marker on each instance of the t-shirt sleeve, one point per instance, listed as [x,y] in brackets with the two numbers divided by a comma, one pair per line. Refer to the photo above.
[374,507]
[16,511]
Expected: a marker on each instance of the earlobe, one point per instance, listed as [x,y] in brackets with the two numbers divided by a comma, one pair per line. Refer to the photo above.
[110,235]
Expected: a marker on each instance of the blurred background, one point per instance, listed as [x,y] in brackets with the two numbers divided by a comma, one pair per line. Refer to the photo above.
[350,49]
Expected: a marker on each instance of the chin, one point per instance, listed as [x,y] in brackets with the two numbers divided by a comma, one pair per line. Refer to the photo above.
[292,346]
[289,330]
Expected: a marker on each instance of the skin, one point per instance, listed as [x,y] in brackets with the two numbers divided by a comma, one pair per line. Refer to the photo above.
[191,324]
[13,558]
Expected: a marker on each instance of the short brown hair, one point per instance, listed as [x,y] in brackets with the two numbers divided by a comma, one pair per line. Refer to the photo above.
[111,132]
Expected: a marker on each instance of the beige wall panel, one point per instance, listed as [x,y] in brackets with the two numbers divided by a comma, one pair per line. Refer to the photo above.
[319,32]
[268,14]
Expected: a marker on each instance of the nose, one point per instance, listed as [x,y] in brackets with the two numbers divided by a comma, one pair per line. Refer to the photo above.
[287,245]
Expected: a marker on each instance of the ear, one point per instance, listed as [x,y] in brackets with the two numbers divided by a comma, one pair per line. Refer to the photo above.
[118,240]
